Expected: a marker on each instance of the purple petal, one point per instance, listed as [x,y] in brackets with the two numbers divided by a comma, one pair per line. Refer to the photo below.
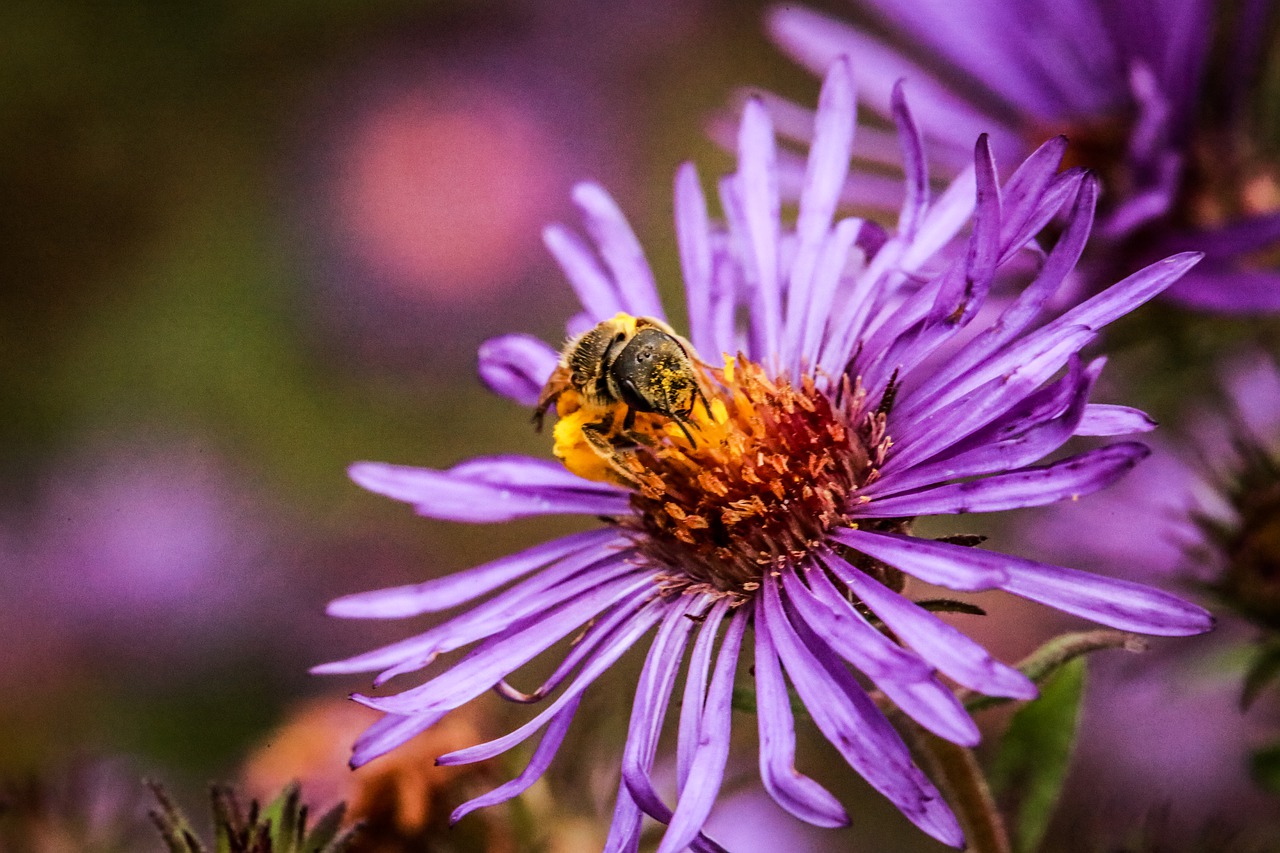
[707,771]
[501,655]
[442,593]
[1120,298]
[599,633]
[937,563]
[1116,603]
[497,488]
[620,249]
[910,685]
[695,691]
[971,360]
[855,727]
[617,644]
[829,153]
[1068,479]
[827,280]
[653,693]
[1104,419]
[816,41]
[517,366]
[945,218]
[1025,435]
[934,640]
[624,828]
[914,166]
[758,187]
[556,583]
[827,168]
[388,733]
[537,765]
[594,289]
[791,789]
[923,437]
[1025,187]
[693,234]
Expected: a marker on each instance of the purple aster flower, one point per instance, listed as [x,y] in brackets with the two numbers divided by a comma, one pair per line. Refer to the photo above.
[1210,503]
[1208,508]
[1128,82]
[788,509]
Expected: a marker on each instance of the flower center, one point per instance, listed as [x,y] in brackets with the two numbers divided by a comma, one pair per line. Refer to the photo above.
[772,467]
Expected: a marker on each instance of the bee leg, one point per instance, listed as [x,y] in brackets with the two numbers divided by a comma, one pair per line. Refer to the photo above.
[684,429]
[597,435]
[629,420]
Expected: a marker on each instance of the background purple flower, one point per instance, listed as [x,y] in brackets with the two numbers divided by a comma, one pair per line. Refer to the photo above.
[857,440]
[1140,89]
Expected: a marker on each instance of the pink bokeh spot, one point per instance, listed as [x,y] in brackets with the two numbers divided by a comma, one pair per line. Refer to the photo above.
[443,190]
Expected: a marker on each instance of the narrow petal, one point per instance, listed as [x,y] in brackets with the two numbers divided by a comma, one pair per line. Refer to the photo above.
[460,587]
[1025,435]
[791,789]
[624,827]
[971,359]
[945,218]
[1122,297]
[937,563]
[1068,479]
[855,727]
[693,234]
[1025,186]
[911,686]
[516,366]
[388,733]
[829,153]
[914,166]
[1104,419]
[620,249]
[492,489]
[758,188]
[653,694]
[816,40]
[923,437]
[532,772]
[828,278]
[551,585]
[506,652]
[595,291]
[695,691]
[1109,601]
[616,645]
[937,642]
[707,771]
[827,167]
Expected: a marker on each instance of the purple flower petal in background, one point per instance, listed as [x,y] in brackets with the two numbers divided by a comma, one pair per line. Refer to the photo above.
[823,436]
[1130,85]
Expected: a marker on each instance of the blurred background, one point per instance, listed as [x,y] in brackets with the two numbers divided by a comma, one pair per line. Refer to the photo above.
[245,244]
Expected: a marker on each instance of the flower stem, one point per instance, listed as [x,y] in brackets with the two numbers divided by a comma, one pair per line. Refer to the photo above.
[956,771]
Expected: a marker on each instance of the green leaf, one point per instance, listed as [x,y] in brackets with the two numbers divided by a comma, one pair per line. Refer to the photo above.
[1264,765]
[1262,671]
[1031,766]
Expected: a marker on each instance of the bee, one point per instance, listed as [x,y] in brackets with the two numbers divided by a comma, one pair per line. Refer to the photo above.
[626,365]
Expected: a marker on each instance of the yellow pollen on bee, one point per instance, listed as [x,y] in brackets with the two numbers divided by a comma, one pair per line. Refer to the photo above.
[571,446]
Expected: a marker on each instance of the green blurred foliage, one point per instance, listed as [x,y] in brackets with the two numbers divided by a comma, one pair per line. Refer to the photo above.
[1031,765]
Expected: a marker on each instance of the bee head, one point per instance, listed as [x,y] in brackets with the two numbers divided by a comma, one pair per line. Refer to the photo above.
[654,373]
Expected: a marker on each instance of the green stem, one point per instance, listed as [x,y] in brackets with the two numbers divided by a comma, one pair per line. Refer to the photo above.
[957,772]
